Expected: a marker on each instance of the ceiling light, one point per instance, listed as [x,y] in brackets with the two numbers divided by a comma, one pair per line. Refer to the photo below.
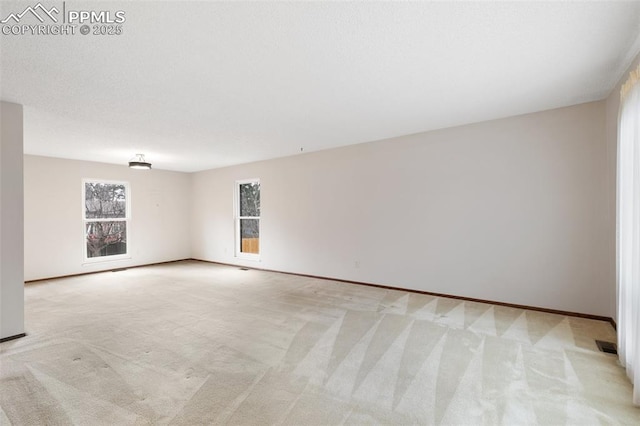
[138,162]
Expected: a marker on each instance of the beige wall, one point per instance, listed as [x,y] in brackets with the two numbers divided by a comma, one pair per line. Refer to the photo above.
[11,221]
[513,210]
[159,228]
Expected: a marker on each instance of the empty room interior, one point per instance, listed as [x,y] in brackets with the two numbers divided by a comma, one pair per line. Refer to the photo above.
[319,213]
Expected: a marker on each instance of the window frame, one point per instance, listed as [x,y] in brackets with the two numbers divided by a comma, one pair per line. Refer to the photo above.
[237,218]
[126,219]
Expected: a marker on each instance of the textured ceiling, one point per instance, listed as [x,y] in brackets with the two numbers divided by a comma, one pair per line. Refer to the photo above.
[198,85]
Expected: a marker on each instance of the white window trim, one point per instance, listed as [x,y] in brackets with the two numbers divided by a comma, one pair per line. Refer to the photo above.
[236,213]
[127,219]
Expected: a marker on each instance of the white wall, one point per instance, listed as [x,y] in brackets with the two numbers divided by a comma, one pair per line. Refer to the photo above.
[159,229]
[512,210]
[11,221]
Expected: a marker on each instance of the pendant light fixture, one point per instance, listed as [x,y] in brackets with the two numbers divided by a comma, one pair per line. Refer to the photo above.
[138,162]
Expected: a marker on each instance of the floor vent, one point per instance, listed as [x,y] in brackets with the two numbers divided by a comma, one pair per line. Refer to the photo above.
[607,347]
[244,269]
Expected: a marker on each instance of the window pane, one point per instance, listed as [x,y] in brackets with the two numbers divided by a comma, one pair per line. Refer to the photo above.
[250,236]
[105,200]
[106,238]
[250,199]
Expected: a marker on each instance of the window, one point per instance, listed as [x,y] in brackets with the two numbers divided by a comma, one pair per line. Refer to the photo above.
[248,219]
[105,217]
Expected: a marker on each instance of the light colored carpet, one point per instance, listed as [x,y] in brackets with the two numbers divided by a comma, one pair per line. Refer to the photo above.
[196,343]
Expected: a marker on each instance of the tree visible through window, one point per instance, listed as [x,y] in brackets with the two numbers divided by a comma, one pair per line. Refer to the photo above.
[248,217]
[105,218]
